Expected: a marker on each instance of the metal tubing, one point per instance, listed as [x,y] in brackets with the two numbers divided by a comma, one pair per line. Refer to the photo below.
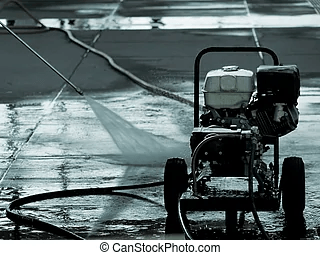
[79,91]
[250,187]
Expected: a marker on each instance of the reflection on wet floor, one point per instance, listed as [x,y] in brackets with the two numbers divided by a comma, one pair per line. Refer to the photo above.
[172,15]
[202,15]
[63,173]
[13,128]
[187,22]
[183,21]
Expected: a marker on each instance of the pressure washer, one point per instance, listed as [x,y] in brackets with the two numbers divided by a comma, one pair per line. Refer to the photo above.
[243,116]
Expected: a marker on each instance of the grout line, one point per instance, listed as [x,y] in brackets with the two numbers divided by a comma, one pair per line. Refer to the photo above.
[313,6]
[111,15]
[254,34]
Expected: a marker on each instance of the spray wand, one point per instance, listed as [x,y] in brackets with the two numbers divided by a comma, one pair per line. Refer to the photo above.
[78,90]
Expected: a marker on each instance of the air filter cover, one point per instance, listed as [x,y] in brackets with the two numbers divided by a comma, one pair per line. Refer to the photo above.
[228,87]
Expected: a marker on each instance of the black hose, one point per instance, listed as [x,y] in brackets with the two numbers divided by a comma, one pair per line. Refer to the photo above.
[41,225]
[182,223]
[143,84]
[251,195]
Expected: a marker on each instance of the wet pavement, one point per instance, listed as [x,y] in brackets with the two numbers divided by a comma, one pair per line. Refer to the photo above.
[52,140]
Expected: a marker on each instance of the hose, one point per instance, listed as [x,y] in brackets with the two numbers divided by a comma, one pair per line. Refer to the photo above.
[182,223]
[42,225]
[251,195]
[143,84]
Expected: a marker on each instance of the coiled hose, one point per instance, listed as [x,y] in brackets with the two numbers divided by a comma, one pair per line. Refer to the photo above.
[41,225]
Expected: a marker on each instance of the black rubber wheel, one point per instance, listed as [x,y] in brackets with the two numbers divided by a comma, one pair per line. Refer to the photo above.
[293,185]
[293,196]
[175,183]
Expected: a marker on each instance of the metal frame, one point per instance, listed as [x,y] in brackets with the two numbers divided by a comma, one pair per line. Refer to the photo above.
[276,62]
